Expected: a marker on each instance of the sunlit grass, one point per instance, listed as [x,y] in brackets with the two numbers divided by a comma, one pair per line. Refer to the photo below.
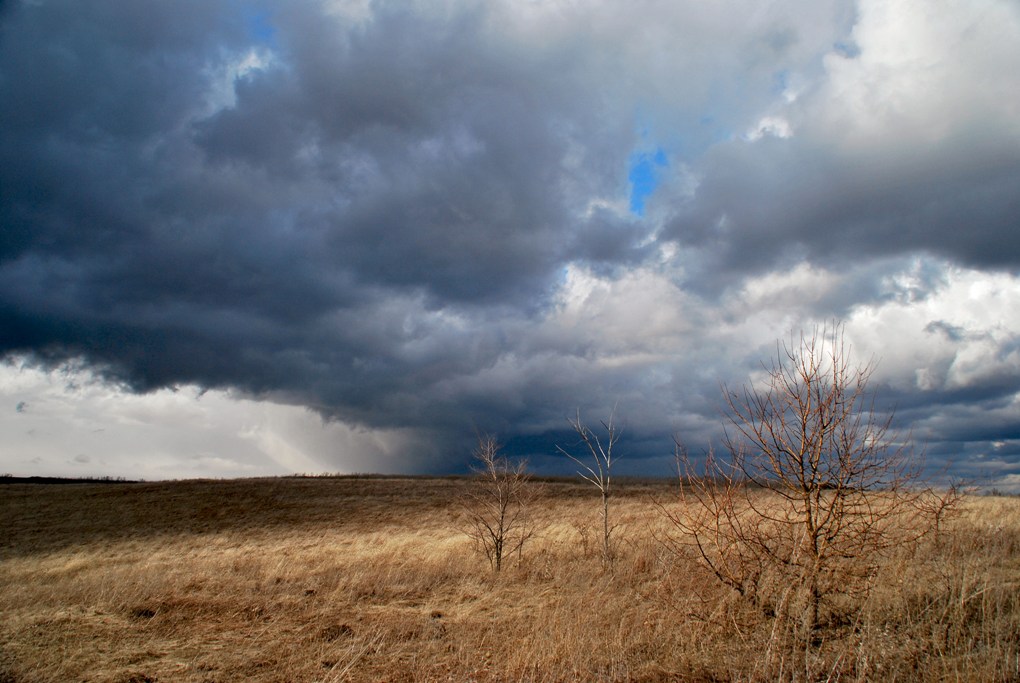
[374,579]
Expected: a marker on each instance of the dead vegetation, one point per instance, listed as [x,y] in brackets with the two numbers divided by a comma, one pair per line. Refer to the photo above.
[813,493]
[598,471]
[497,504]
[367,579]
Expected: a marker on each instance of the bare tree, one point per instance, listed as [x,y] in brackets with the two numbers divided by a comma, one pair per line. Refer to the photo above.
[814,489]
[599,472]
[497,503]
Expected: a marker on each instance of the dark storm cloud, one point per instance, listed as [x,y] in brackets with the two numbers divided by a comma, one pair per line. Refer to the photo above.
[907,145]
[430,153]
[406,153]
[413,215]
[779,200]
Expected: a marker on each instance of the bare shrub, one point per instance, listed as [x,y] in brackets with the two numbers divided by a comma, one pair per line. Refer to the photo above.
[599,472]
[497,503]
[394,599]
[814,490]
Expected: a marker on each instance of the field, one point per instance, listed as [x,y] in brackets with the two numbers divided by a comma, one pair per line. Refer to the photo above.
[374,579]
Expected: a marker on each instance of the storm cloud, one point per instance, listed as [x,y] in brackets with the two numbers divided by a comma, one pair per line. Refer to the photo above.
[415,218]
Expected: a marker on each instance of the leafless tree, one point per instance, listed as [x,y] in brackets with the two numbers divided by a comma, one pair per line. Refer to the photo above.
[599,471]
[814,489]
[497,503]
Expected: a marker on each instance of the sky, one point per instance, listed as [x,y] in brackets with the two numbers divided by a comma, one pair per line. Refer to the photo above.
[245,238]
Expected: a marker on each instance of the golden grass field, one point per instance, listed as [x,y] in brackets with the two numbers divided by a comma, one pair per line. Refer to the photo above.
[374,579]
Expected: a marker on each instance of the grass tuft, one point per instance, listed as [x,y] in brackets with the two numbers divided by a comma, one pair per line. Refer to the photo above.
[370,579]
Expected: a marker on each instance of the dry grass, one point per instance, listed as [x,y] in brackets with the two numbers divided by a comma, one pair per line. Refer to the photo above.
[369,579]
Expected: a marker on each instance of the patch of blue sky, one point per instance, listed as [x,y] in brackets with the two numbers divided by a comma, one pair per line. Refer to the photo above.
[780,81]
[644,176]
[847,49]
[260,28]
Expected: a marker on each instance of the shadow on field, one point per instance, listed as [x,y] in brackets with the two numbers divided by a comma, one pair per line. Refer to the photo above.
[45,518]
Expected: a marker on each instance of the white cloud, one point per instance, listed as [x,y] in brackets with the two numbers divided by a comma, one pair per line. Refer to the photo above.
[72,424]
[377,227]
[925,70]
[908,335]
[774,126]
[223,77]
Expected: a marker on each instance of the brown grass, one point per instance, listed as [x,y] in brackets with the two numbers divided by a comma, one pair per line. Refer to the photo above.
[370,579]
